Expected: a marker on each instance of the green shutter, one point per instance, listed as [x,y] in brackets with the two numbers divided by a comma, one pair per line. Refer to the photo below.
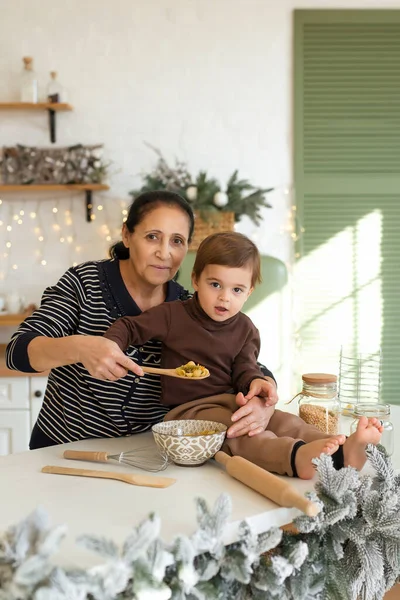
[347,182]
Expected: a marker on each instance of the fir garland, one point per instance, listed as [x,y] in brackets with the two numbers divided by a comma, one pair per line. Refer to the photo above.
[351,550]
[204,193]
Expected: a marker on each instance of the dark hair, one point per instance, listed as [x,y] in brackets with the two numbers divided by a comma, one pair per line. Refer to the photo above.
[144,204]
[230,249]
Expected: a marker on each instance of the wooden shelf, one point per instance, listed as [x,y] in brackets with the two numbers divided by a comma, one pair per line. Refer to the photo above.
[53,187]
[56,106]
[10,320]
[51,107]
[88,188]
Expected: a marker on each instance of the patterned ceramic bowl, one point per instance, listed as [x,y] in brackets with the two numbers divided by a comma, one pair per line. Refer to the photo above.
[189,442]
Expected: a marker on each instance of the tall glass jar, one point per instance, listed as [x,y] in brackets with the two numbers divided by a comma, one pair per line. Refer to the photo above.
[29,84]
[318,402]
[381,412]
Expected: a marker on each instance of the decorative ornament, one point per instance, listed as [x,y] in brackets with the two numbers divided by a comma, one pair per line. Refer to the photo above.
[221,199]
[191,193]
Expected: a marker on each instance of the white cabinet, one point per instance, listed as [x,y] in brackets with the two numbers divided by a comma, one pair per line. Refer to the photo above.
[20,401]
[14,431]
[14,393]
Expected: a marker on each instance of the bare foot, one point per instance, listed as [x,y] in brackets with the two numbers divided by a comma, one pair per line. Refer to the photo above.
[368,431]
[304,455]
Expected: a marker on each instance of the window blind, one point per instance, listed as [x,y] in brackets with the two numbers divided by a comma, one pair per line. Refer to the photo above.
[347,182]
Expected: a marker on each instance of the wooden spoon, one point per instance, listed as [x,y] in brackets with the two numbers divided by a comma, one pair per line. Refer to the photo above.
[143,480]
[172,373]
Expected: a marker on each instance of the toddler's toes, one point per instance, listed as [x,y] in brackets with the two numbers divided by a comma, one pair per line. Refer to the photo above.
[339,439]
[377,423]
[330,448]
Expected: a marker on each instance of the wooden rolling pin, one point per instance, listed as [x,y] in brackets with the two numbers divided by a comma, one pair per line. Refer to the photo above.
[133,479]
[267,484]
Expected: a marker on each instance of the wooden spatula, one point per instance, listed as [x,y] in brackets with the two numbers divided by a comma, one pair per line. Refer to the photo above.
[172,373]
[267,484]
[144,480]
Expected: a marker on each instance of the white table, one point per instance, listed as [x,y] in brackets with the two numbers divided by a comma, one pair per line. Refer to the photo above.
[111,508]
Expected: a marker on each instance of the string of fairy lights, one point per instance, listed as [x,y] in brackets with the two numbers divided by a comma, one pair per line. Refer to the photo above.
[44,221]
[60,218]
[293,227]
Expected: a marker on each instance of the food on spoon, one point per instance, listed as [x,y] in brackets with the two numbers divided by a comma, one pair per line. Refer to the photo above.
[191,369]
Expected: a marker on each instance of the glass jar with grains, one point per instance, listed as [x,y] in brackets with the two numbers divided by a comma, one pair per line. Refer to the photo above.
[318,402]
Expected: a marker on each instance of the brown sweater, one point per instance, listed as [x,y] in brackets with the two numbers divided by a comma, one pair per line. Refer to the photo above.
[228,349]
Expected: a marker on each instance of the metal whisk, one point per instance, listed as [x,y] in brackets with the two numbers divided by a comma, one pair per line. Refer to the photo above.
[148,458]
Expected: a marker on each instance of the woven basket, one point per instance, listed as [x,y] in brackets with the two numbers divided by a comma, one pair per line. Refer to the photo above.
[213,222]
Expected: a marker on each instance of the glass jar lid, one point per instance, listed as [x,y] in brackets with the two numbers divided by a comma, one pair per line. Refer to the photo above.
[318,378]
[370,409]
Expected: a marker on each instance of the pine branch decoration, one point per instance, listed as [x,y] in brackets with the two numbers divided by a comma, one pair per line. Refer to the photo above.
[359,550]
[351,550]
[204,193]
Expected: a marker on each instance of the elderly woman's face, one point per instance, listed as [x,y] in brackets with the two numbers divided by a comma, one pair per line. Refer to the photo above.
[158,244]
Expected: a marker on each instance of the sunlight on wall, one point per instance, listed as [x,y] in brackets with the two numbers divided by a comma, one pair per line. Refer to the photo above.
[338,296]
[269,313]
[271,318]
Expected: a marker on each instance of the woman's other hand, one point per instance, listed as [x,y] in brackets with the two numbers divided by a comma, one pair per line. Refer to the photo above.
[253,415]
[104,359]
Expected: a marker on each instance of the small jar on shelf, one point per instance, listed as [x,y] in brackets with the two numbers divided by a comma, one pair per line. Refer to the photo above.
[381,412]
[318,402]
[55,91]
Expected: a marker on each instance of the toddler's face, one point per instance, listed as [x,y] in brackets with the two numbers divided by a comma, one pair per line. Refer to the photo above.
[222,291]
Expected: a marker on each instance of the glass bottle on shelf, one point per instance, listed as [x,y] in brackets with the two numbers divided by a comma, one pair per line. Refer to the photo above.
[29,84]
[318,402]
[55,91]
[381,412]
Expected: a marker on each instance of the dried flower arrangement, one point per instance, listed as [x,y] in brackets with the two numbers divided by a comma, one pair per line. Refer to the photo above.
[28,165]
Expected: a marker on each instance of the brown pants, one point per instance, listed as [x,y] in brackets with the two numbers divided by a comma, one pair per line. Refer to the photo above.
[271,450]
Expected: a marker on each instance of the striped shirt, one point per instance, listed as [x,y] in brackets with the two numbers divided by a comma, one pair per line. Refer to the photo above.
[86,300]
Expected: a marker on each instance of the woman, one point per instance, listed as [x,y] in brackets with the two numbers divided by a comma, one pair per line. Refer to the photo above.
[93,388]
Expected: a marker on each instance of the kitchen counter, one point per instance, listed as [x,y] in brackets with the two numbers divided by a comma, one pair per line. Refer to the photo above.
[111,508]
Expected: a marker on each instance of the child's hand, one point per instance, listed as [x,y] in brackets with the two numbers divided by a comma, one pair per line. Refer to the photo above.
[265,388]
